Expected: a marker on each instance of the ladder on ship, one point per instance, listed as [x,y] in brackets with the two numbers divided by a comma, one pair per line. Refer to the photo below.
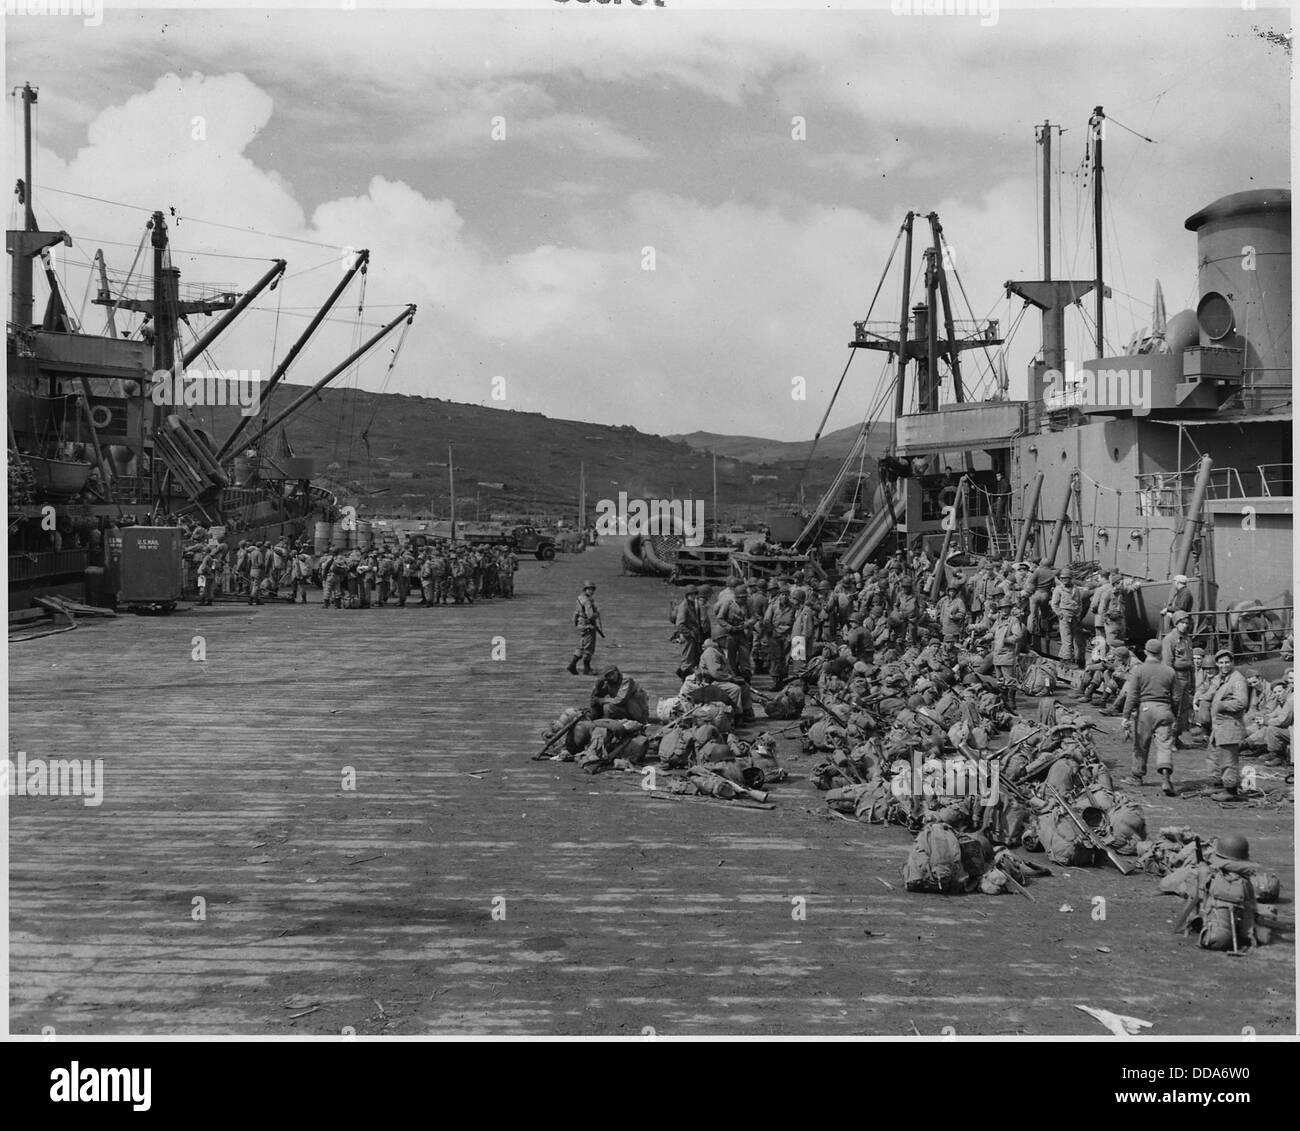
[1000,542]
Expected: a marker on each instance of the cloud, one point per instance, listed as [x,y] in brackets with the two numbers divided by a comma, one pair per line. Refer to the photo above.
[526,257]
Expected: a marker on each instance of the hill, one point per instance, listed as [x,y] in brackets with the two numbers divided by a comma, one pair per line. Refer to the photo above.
[388,454]
[756,449]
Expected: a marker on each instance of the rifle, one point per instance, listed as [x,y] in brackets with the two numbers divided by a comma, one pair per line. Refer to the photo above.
[545,751]
[1093,838]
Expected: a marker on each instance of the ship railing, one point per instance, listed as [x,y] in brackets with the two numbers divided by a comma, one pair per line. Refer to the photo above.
[47,563]
[1169,492]
[1251,634]
[1274,478]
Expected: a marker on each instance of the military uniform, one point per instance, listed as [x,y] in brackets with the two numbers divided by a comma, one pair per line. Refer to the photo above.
[586,619]
[1149,693]
[1176,651]
[692,628]
[1228,703]
[255,560]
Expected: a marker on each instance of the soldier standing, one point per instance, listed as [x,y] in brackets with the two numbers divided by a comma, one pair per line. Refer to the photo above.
[586,619]
[692,624]
[1149,693]
[1007,634]
[1228,704]
[1176,651]
[255,559]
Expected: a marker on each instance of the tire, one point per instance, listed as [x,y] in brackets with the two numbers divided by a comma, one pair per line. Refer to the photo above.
[546,553]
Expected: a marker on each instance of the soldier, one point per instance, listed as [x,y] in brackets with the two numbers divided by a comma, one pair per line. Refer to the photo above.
[207,579]
[726,683]
[803,628]
[407,577]
[953,614]
[1149,693]
[255,560]
[618,696]
[1005,651]
[1180,601]
[384,577]
[1176,651]
[906,612]
[1278,724]
[778,623]
[586,619]
[1228,704]
[301,574]
[1066,603]
[730,626]
[692,628]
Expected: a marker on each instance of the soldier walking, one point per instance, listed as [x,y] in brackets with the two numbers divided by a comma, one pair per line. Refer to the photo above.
[1149,693]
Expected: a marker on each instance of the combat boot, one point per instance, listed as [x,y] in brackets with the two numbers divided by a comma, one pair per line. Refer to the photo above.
[1227,793]
[1167,786]
[572,669]
[586,667]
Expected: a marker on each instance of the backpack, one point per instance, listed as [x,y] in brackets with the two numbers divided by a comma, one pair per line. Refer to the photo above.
[935,861]
[675,747]
[1040,680]
[1062,841]
[876,804]
[1226,910]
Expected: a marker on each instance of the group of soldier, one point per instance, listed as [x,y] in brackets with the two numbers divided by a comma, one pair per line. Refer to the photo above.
[437,573]
[1173,696]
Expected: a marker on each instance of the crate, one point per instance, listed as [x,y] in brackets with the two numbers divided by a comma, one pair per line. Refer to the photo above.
[150,565]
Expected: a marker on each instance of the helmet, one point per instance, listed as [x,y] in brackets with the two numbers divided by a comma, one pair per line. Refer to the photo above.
[588,585]
[1233,846]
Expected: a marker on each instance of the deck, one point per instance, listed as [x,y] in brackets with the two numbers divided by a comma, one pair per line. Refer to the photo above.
[327,910]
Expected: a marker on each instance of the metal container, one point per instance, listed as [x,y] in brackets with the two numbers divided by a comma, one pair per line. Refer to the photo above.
[324,531]
[338,537]
[365,534]
[150,565]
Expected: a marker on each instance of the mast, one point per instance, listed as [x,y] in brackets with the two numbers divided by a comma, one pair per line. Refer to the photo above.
[1098,129]
[23,246]
[1050,296]
[1047,201]
[903,318]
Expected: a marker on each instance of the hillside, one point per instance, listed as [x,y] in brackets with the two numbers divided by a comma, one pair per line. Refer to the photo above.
[388,454]
[756,449]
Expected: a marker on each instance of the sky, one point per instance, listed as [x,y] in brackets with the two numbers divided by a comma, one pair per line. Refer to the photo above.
[663,217]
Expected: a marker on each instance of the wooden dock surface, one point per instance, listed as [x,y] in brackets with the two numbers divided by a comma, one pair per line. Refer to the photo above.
[232,882]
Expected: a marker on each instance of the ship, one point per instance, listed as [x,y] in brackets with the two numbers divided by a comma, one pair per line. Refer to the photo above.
[98,441]
[1172,457]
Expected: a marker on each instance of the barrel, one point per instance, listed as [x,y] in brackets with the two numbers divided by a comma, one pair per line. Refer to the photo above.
[338,537]
[321,542]
[365,534]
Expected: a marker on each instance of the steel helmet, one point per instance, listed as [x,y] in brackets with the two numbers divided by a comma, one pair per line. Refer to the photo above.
[1234,846]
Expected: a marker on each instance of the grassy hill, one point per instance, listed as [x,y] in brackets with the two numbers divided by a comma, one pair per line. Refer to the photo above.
[387,453]
[756,449]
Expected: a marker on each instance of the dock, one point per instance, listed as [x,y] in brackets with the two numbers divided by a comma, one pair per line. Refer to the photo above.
[330,824]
